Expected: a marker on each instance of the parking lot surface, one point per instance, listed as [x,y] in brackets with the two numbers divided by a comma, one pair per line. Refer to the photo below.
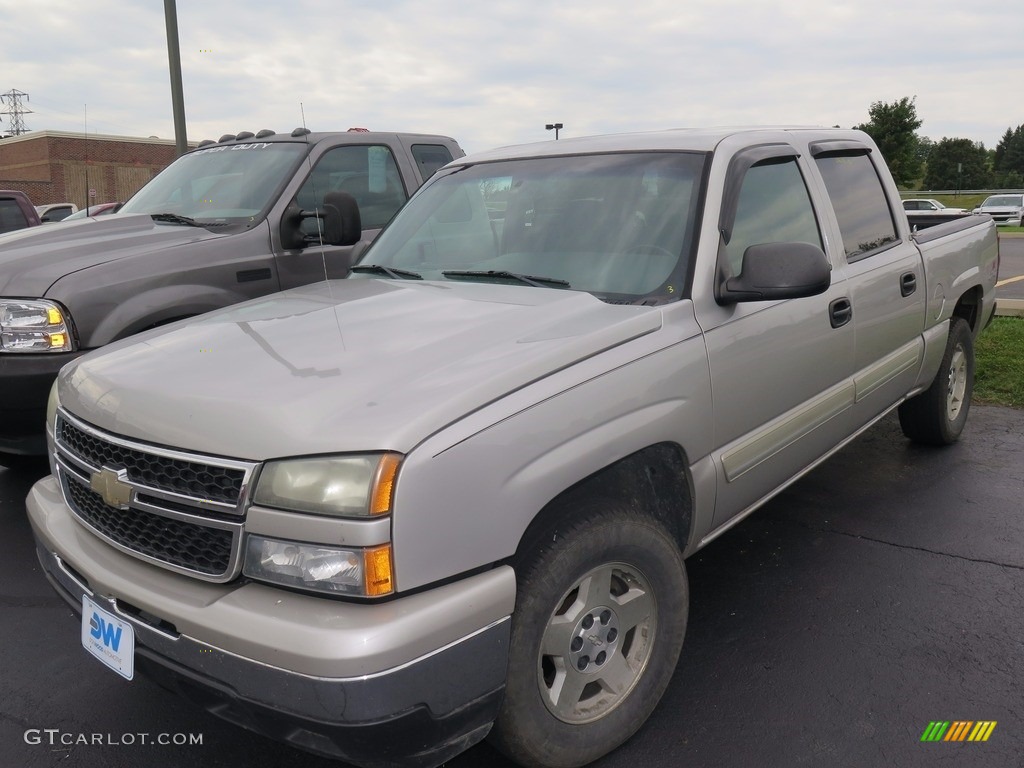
[880,593]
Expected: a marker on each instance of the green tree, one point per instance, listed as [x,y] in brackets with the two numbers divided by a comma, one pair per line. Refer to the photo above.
[894,129]
[1008,163]
[923,149]
[958,164]
[997,158]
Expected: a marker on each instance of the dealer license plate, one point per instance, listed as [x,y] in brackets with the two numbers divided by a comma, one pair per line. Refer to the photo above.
[109,639]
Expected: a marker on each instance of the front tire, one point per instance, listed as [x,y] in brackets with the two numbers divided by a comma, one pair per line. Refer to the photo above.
[600,616]
[938,415]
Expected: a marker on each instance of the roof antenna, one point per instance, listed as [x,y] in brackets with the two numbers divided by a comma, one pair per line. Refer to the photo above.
[316,197]
[319,225]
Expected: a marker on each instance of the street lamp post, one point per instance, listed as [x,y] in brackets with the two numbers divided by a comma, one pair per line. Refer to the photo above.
[556,127]
[174,61]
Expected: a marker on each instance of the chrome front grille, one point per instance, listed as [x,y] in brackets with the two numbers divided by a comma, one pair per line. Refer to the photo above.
[192,478]
[181,511]
[176,542]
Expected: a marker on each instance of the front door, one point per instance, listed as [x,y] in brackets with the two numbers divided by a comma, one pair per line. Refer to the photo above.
[369,172]
[780,370]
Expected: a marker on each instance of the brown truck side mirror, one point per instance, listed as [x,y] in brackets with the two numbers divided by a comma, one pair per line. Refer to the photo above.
[341,223]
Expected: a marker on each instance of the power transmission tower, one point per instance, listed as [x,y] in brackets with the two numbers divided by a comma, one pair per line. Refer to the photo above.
[13,101]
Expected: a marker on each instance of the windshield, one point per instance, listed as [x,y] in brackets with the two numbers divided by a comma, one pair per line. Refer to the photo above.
[231,184]
[1002,200]
[618,225]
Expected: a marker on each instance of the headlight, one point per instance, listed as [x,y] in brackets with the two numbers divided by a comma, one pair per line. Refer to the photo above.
[34,326]
[364,572]
[339,486]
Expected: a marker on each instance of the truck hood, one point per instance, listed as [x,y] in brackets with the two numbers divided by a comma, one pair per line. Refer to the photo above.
[33,259]
[350,365]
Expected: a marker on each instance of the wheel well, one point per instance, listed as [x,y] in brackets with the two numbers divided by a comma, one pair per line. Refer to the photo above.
[653,481]
[968,307]
[167,321]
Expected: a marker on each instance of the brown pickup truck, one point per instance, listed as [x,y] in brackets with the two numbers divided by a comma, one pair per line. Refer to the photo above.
[229,221]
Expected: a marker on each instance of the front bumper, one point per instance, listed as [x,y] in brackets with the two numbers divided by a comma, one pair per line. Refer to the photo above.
[25,382]
[417,712]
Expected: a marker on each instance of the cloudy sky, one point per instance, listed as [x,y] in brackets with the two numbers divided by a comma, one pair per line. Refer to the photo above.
[494,73]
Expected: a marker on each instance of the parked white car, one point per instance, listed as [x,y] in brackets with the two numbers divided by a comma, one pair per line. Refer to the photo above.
[929,206]
[1005,209]
[55,211]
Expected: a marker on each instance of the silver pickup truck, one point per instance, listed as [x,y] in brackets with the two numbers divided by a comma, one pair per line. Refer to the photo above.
[451,496]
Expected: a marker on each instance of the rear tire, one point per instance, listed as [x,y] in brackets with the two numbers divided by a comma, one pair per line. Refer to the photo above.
[600,616]
[938,415]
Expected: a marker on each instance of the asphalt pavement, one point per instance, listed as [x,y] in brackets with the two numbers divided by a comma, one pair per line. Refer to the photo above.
[880,593]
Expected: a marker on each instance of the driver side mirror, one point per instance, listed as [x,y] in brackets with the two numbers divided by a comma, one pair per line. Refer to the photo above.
[341,223]
[773,271]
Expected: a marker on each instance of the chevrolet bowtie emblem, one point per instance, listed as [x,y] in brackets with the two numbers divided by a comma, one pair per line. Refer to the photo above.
[110,485]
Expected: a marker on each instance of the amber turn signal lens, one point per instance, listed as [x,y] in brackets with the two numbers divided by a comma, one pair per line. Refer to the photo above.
[377,571]
[384,484]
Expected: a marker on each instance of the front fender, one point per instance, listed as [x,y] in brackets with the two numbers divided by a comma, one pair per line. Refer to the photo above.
[465,496]
[158,306]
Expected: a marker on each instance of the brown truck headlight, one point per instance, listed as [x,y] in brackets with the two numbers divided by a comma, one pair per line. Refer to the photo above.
[34,326]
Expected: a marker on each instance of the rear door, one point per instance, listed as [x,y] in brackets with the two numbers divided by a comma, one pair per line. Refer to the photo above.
[429,156]
[885,273]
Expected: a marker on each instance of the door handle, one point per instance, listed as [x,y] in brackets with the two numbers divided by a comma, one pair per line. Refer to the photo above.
[908,283]
[251,275]
[840,312]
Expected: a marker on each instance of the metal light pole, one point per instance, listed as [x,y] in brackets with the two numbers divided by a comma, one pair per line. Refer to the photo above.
[174,60]
[556,127]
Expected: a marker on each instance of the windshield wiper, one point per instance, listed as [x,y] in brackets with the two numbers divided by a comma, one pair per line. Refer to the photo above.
[395,272]
[173,218]
[503,275]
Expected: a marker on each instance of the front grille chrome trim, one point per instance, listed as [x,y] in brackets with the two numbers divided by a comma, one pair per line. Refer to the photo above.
[247,468]
[199,537]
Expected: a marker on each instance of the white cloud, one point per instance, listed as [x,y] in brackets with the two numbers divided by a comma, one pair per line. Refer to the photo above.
[495,73]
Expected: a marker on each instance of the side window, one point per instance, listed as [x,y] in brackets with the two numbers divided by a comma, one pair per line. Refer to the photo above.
[56,214]
[11,217]
[857,195]
[430,157]
[367,172]
[774,207]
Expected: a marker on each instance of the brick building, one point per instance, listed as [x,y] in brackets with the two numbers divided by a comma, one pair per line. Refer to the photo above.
[59,167]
